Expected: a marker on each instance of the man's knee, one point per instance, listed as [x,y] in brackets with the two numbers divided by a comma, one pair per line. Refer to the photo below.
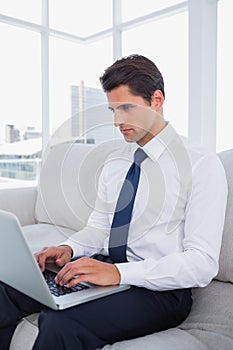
[58,328]
[14,305]
[51,321]
[9,314]
[55,332]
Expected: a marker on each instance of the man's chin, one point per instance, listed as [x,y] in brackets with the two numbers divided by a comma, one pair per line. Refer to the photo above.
[129,140]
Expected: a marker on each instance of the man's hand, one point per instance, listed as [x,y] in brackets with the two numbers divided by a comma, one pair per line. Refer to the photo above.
[88,270]
[58,255]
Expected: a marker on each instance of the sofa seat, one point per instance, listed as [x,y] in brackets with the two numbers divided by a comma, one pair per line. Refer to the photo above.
[27,330]
[25,333]
[42,235]
[211,317]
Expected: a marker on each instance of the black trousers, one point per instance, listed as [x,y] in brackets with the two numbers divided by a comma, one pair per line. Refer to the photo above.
[125,315]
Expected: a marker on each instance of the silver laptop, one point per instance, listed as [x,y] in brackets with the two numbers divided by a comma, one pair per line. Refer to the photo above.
[19,269]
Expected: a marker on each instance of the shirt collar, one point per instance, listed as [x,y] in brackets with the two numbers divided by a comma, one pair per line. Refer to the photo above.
[156,146]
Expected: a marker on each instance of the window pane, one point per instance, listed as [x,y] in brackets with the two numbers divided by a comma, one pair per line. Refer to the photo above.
[136,8]
[81,18]
[75,87]
[169,51]
[20,107]
[225,76]
[24,9]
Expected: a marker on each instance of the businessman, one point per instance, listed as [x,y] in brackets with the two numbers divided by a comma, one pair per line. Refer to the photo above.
[162,236]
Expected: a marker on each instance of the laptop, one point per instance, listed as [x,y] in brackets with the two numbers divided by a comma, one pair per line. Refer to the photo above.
[20,270]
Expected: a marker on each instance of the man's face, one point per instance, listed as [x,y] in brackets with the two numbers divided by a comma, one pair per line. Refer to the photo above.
[137,120]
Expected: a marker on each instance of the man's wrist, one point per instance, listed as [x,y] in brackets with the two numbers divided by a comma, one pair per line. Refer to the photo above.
[118,275]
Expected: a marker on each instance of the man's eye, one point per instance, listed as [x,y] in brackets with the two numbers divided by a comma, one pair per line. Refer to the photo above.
[126,107]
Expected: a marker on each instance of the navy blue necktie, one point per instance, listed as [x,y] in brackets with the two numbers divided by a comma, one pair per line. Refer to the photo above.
[123,212]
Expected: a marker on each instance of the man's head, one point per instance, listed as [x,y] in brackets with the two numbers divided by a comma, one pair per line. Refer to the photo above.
[135,92]
[137,72]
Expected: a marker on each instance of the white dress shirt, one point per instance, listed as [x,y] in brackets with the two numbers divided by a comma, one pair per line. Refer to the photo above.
[177,222]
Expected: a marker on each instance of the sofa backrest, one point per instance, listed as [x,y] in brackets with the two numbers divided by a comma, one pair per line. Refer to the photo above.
[66,190]
[225,273]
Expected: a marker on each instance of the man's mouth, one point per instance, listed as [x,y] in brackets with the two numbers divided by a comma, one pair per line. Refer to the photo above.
[126,131]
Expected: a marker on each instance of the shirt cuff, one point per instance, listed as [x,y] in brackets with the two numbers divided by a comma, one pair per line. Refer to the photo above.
[132,273]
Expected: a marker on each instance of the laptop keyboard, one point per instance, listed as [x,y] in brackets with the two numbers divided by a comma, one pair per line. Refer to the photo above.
[57,290]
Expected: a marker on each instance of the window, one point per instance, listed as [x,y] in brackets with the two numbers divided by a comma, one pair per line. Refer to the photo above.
[166,43]
[20,78]
[81,18]
[75,71]
[81,38]
[225,76]
[20,107]
[27,10]
[137,8]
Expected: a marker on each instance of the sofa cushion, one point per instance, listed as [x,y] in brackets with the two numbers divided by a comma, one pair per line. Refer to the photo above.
[225,273]
[59,198]
[170,339]
[42,235]
[25,333]
[211,317]
[68,182]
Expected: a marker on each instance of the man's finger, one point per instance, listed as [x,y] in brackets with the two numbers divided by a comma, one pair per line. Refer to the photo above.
[66,274]
[72,269]
[41,261]
[79,279]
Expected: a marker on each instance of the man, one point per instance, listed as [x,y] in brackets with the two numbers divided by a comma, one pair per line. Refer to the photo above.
[170,245]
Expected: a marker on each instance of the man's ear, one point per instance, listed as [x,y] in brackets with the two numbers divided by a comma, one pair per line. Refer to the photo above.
[157,100]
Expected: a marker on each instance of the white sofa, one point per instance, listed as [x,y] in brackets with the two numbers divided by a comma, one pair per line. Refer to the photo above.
[61,204]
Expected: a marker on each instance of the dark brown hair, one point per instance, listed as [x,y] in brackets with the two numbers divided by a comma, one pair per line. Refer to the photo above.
[137,72]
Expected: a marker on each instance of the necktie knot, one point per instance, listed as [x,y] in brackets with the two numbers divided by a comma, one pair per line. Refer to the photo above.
[139,156]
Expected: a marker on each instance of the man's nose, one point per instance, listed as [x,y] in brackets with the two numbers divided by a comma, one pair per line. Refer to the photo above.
[118,119]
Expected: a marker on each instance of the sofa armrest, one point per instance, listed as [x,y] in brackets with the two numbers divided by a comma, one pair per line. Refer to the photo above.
[20,200]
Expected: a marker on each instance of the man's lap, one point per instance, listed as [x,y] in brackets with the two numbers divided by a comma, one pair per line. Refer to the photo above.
[129,314]
[124,315]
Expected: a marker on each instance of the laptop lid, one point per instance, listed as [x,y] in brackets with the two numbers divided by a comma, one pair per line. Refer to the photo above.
[19,269]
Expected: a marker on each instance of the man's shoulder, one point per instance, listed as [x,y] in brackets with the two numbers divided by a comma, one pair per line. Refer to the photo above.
[200,156]
[196,151]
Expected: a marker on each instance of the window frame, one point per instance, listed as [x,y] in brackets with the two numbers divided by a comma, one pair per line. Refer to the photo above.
[202,59]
